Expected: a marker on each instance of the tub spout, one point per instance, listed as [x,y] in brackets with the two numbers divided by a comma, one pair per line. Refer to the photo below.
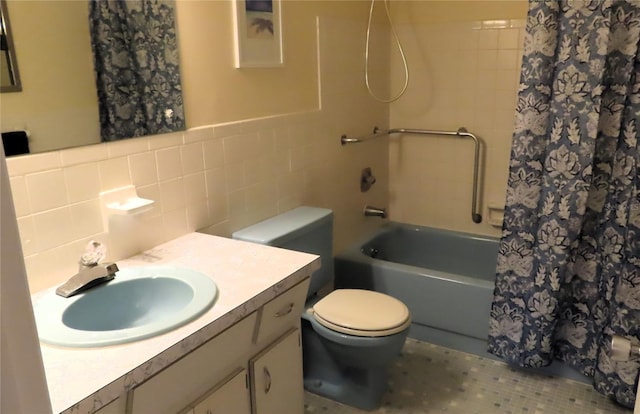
[371,211]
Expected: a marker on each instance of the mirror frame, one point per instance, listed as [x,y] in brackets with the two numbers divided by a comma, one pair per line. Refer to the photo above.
[13,63]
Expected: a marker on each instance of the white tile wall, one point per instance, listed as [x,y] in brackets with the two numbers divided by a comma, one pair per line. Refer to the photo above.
[192,158]
[463,75]
[144,169]
[47,190]
[82,182]
[195,188]
[114,173]
[20,196]
[196,178]
[169,163]
[213,153]
[87,219]
[81,155]
[54,228]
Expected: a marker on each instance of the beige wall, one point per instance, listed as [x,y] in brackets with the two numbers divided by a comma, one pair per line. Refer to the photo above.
[58,102]
[216,92]
[245,159]
[465,60]
[222,175]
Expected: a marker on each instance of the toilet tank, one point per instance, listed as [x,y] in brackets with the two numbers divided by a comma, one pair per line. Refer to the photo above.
[303,229]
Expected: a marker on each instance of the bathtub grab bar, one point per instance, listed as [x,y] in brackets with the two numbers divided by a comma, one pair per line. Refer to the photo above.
[476,216]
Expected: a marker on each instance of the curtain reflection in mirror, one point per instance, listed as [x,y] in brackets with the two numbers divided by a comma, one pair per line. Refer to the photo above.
[136,61]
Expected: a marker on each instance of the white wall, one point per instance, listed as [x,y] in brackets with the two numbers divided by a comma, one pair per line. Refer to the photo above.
[22,378]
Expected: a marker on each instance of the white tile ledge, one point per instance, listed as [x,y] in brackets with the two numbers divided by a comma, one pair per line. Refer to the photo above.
[247,275]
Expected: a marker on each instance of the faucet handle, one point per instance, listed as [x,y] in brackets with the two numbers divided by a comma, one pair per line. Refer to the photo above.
[366,180]
[93,254]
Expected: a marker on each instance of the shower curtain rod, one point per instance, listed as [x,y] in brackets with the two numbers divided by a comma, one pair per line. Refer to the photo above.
[462,132]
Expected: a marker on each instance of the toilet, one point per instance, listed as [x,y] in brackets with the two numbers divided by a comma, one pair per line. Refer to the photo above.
[349,336]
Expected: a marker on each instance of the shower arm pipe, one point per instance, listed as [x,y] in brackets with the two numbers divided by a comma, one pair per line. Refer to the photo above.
[462,132]
[376,133]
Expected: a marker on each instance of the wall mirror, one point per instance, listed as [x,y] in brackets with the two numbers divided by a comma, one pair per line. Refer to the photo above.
[58,105]
[9,74]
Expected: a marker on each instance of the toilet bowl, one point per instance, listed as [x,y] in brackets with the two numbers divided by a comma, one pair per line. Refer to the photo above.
[354,319]
[350,336]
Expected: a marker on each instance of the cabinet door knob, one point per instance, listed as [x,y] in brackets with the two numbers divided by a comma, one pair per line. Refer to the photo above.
[267,380]
[285,311]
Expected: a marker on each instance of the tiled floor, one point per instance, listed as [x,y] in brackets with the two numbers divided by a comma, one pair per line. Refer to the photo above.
[432,379]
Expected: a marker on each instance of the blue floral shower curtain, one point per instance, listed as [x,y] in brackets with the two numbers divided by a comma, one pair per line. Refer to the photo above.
[136,62]
[568,272]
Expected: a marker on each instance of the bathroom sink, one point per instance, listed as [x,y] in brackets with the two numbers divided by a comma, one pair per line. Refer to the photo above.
[139,303]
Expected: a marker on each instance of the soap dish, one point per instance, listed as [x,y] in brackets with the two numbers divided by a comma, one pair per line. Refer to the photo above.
[135,205]
[125,201]
[496,214]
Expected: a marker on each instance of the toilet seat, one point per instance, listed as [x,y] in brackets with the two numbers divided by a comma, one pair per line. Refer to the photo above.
[362,312]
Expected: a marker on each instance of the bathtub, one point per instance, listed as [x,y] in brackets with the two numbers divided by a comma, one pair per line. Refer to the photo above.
[445,278]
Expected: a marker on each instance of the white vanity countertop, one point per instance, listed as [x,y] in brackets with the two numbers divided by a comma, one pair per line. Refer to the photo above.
[248,275]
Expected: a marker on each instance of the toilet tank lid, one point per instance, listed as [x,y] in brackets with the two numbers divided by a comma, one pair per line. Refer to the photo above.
[279,229]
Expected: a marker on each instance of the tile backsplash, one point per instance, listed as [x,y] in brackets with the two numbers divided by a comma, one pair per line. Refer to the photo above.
[192,176]
[219,178]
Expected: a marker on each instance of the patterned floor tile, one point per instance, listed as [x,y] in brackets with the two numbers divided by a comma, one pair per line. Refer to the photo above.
[428,378]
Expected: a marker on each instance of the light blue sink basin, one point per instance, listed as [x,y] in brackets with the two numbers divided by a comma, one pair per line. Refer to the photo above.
[139,303]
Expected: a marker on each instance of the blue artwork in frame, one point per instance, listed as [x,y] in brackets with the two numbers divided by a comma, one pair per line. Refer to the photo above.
[258,33]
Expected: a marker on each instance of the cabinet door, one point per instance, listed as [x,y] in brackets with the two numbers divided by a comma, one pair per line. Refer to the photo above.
[277,377]
[188,379]
[232,397]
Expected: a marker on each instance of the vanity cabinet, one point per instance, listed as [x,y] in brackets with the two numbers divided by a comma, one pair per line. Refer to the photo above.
[229,397]
[276,377]
[114,407]
[193,376]
[253,367]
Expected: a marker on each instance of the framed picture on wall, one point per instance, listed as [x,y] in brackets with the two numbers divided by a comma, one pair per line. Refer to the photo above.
[258,33]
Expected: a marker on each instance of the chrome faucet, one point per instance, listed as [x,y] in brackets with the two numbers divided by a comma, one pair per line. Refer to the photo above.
[86,278]
[371,211]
